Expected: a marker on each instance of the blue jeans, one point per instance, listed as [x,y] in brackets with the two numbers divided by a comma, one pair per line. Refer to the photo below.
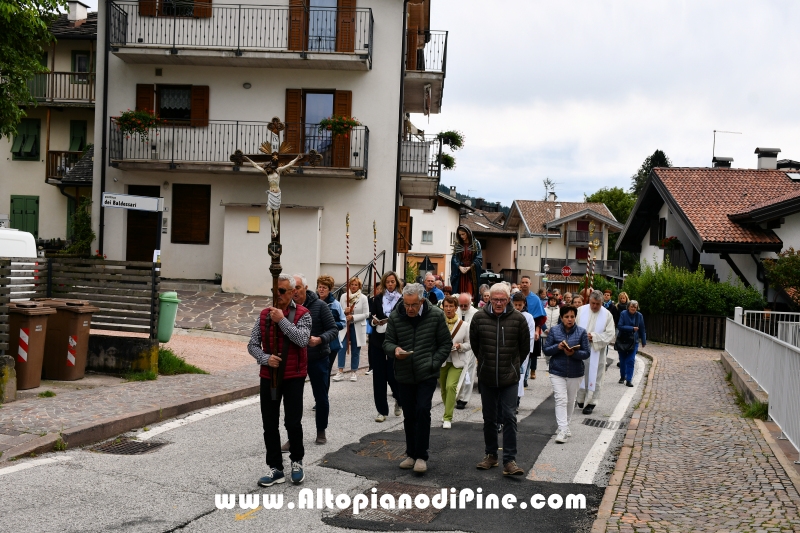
[627,362]
[319,375]
[355,350]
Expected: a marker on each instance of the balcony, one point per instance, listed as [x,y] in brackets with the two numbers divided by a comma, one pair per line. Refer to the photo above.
[420,171]
[578,266]
[60,162]
[582,237]
[71,88]
[426,67]
[184,148]
[182,32]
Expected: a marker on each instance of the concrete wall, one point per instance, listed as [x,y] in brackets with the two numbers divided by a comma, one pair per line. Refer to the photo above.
[653,254]
[499,252]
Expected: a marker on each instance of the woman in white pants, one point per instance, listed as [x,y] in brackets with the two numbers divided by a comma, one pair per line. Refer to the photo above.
[567,345]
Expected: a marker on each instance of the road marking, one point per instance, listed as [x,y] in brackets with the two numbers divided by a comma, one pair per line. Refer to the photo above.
[592,461]
[36,462]
[249,514]
[147,435]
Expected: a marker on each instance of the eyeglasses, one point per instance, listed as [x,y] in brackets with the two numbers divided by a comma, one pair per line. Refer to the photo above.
[412,306]
[283,291]
[499,301]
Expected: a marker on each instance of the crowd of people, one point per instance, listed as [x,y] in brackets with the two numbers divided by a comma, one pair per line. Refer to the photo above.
[420,336]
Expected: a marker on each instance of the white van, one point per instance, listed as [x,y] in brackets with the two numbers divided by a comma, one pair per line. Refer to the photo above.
[15,243]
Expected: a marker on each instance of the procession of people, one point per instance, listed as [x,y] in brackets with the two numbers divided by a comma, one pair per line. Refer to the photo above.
[419,337]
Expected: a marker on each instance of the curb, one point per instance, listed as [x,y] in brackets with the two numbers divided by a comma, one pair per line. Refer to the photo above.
[785,462]
[609,497]
[110,427]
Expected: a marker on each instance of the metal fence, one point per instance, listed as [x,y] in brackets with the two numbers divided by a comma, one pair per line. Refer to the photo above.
[216,143]
[775,366]
[241,27]
[781,325]
[431,51]
[421,156]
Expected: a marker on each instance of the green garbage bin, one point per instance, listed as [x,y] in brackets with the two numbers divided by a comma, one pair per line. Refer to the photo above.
[167,312]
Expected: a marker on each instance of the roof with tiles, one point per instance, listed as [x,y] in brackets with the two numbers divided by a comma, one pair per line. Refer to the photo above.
[707,196]
[535,212]
[62,28]
[481,222]
[83,171]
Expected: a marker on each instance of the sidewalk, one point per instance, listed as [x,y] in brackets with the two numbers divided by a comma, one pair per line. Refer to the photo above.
[692,462]
[219,311]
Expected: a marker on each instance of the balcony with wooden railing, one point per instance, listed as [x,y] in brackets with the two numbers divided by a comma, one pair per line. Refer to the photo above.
[60,162]
[64,87]
[582,237]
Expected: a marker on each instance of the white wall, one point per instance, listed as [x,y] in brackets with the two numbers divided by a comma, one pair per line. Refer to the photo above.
[653,254]
[442,222]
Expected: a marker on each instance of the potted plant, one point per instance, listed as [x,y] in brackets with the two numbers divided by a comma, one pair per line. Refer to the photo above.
[668,243]
[338,125]
[139,122]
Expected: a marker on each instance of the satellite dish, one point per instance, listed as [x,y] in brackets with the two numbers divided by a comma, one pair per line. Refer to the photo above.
[468,203]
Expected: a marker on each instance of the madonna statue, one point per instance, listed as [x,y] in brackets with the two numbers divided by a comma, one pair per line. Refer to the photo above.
[467,263]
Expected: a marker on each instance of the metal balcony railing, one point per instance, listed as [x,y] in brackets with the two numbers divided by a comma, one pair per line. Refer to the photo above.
[427,51]
[421,156]
[579,266]
[180,25]
[216,143]
[63,86]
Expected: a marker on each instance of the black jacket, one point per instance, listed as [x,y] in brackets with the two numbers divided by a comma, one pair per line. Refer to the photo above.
[427,336]
[322,326]
[500,343]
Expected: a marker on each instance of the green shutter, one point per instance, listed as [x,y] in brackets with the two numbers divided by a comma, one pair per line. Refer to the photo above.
[26,142]
[77,135]
[25,214]
[17,146]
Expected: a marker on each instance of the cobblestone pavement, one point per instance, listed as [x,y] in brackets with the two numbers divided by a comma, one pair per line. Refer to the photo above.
[696,464]
[219,311]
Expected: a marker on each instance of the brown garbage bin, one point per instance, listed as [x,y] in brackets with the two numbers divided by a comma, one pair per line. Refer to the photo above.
[28,327]
[67,340]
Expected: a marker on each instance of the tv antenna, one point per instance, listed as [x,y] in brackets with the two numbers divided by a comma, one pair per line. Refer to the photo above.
[714,146]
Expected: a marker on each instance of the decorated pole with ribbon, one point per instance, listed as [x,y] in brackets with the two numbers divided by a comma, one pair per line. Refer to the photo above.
[347,282]
[375,257]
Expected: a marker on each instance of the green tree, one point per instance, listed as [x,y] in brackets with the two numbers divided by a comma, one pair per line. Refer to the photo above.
[784,272]
[24,33]
[658,159]
[620,203]
[83,235]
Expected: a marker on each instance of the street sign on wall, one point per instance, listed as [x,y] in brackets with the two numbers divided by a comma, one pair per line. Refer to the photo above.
[128,201]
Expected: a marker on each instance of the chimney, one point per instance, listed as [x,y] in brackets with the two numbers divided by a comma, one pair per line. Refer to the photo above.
[722,162]
[767,158]
[551,196]
[558,211]
[77,12]
[452,191]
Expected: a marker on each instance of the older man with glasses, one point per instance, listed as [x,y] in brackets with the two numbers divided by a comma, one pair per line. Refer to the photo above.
[418,339]
[500,339]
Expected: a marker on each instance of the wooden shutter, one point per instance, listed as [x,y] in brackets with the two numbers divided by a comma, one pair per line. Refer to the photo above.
[145,97]
[415,16]
[346,26]
[77,135]
[25,214]
[293,120]
[191,214]
[297,25]
[582,253]
[403,244]
[147,8]
[199,113]
[342,106]
[202,9]
[654,226]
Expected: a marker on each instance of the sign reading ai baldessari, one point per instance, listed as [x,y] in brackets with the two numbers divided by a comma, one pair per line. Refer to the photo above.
[127,201]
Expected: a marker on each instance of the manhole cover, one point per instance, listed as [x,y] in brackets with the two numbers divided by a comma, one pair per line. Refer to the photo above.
[126,446]
[384,449]
[604,424]
[409,514]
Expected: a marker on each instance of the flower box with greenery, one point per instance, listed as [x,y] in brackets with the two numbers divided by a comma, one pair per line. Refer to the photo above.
[139,123]
[668,243]
[338,125]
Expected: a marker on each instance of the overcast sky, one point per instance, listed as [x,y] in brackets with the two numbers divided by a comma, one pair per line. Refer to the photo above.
[582,91]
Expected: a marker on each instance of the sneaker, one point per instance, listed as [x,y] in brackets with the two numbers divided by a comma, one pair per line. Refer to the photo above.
[511,469]
[285,447]
[420,466]
[588,409]
[339,376]
[321,438]
[408,463]
[368,372]
[354,377]
[628,384]
[447,424]
[273,476]
[488,462]
[397,409]
[460,404]
[297,472]
[621,380]
[380,418]
[568,432]
[561,437]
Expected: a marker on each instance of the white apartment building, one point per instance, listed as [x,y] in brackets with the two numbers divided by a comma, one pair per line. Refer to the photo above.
[217,74]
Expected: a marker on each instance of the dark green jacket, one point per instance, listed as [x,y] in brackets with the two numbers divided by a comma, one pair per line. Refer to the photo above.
[500,343]
[429,340]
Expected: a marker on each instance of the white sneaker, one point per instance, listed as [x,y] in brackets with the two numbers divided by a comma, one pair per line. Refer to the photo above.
[380,418]
[339,376]
[354,377]
[397,409]
[368,372]
[561,437]
[568,433]
[446,424]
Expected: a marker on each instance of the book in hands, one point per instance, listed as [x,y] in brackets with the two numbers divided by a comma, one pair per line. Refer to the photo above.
[403,352]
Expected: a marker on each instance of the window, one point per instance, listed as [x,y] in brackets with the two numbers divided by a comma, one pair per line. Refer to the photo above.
[322,25]
[26,142]
[191,214]
[427,237]
[77,135]
[537,251]
[174,102]
[582,254]
[662,228]
[452,238]
[25,214]
[180,104]
[80,63]
[654,227]
[177,8]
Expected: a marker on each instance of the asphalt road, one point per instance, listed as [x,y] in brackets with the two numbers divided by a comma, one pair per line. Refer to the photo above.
[173,488]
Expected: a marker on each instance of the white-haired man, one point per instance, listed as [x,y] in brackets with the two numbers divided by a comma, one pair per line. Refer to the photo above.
[599,325]
[466,311]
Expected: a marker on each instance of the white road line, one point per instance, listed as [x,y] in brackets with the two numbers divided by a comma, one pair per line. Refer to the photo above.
[591,463]
[35,462]
[147,435]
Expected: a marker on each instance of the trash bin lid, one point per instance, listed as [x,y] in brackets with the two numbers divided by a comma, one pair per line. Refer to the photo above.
[30,309]
[170,296]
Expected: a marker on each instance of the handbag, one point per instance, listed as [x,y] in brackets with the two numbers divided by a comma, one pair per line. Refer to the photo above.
[626,343]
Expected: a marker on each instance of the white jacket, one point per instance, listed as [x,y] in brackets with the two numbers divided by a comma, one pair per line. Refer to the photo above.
[360,315]
[553,314]
[460,357]
[468,317]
